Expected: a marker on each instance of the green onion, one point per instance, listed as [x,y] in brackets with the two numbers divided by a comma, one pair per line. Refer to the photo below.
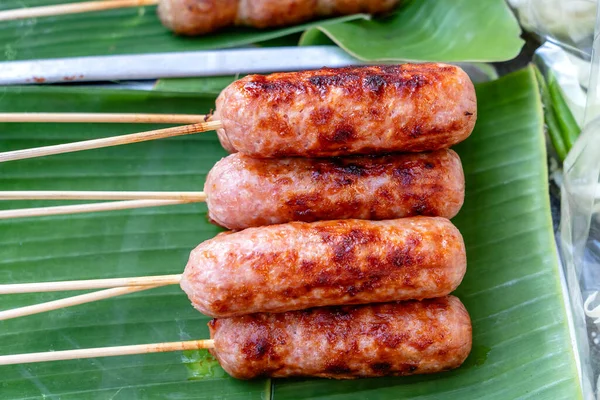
[568,126]
[550,118]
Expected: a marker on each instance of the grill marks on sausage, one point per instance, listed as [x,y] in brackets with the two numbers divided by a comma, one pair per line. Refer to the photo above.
[355,269]
[405,175]
[324,263]
[364,187]
[368,110]
[263,343]
[303,206]
[341,134]
[345,80]
[344,245]
[321,115]
[372,80]
[421,206]
[376,82]
[338,173]
[338,368]
[262,263]
[337,131]
[385,336]
[256,348]
[381,368]
[350,80]
[403,257]
[346,264]
[346,342]
[341,174]
[277,90]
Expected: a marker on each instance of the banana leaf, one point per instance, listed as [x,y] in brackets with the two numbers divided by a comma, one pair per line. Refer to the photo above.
[463,30]
[522,346]
[422,30]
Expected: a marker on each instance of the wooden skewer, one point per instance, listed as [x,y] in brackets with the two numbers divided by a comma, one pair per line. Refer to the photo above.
[106,352]
[71,301]
[72,8]
[88,284]
[119,286]
[101,195]
[102,118]
[110,141]
[86,208]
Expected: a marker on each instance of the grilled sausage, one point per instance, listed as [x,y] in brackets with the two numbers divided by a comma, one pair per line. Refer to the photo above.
[301,265]
[244,192]
[359,110]
[198,17]
[346,342]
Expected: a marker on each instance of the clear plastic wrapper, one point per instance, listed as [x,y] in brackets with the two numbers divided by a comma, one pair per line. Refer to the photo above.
[580,230]
[570,60]
[567,22]
[571,71]
[566,28]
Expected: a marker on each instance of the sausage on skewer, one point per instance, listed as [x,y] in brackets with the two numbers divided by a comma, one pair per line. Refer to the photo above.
[244,192]
[300,265]
[346,342]
[199,17]
[343,111]
[326,113]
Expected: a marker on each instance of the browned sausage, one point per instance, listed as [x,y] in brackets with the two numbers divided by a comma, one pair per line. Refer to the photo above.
[346,342]
[299,265]
[360,110]
[197,17]
[244,192]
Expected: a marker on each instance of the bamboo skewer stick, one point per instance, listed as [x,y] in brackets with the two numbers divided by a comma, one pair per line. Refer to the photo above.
[106,352]
[71,301]
[110,141]
[88,284]
[71,8]
[103,118]
[86,208]
[100,195]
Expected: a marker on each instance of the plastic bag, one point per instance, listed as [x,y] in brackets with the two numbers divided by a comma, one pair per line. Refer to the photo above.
[567,29]
[571,71]
[568,22]
[570,57]
[580,232]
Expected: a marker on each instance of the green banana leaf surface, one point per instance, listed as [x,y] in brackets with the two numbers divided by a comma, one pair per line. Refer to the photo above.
[426,27]
[420,30]
[521,346]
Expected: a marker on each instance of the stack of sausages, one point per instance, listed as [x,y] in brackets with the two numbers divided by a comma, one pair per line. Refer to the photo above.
[338,192]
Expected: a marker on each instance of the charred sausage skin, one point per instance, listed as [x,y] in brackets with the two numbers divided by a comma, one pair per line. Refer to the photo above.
[300,265]
[198,17]
[247,192]
[345,111]
[348,342]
